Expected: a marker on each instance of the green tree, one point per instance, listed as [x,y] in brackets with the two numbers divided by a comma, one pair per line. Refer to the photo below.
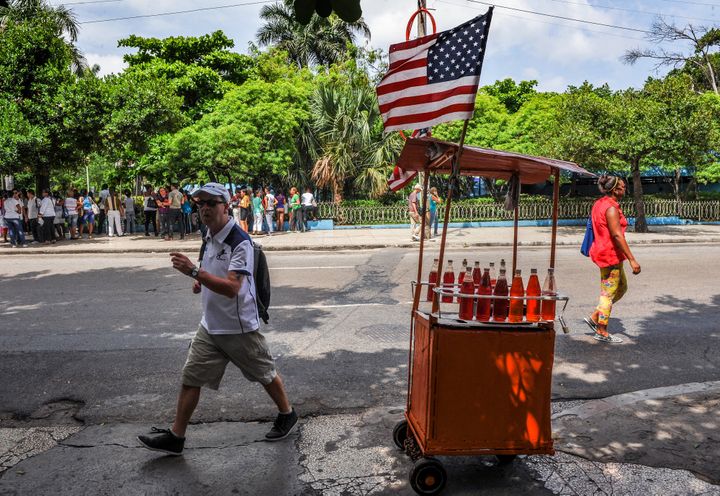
[346,131]
[687,128]
[141,108]
[322,41]
[251,135]
[199,69]
[616,132]
[54,115]
[62,19]
[512,94]
[704,44]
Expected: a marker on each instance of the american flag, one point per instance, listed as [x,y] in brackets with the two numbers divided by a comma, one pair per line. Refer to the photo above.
[435,78]
[399,178]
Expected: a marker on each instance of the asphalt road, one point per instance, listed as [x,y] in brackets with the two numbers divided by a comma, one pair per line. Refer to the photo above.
[109,333]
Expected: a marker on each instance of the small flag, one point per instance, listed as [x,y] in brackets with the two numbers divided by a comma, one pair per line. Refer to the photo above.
[399,178]
[435,78]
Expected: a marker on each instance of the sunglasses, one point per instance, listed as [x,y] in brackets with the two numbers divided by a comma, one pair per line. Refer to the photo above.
[209,203]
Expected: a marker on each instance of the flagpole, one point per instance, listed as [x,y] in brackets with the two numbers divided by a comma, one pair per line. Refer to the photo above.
[451,189]
[423,177]
[418,286]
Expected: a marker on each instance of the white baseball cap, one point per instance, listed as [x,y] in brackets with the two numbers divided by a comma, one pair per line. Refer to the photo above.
[214,189]
[417,186]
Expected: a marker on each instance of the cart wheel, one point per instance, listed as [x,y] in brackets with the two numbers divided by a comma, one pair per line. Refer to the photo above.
[428,476]
[505,459]
[400,434]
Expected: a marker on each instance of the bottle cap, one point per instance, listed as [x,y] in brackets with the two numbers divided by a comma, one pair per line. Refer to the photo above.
[533,271]
[518,272]
[477,264]
[492,264]
[551,270]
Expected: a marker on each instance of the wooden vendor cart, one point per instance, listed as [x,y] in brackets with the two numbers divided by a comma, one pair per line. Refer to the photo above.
[475,388]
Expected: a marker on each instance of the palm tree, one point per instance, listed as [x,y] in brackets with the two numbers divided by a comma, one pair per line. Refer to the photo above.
[322,41]
[62,18]
[346,140]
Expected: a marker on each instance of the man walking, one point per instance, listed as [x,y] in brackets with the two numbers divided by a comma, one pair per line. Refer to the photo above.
[229,327]
[115,211]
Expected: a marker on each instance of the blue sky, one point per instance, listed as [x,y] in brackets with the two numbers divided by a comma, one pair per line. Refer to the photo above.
[556,52]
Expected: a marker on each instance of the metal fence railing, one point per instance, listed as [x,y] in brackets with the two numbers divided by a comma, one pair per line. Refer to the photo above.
[701,210]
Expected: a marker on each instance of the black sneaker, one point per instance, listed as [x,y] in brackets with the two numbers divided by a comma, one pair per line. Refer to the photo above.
[283,426]
[164,441]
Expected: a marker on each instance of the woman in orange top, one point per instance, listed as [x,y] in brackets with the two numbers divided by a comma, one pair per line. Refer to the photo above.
[608,251]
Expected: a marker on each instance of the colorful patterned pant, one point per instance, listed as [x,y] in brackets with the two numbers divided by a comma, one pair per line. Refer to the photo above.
[613,285]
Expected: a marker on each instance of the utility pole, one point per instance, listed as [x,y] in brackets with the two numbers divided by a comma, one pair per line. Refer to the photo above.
[422,19]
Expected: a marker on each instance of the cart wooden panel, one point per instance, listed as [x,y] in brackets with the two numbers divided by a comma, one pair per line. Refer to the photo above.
[480,391]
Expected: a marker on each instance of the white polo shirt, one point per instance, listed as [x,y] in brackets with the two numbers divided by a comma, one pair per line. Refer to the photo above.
[230,250]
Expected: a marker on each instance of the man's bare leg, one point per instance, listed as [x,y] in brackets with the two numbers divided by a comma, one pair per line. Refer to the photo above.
[187,402]
[276,390]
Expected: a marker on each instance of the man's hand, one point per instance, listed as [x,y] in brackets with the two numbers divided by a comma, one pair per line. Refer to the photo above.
[196,287]
[181,263]
[635,266]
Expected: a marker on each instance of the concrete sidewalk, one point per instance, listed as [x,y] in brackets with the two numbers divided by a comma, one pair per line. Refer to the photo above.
[658,441]
[350,239]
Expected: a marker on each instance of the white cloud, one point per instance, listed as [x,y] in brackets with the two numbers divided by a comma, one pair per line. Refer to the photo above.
[109,64]
[560,52]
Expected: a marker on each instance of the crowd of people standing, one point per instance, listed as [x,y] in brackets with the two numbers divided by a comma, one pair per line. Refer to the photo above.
[75,214]
[266,211]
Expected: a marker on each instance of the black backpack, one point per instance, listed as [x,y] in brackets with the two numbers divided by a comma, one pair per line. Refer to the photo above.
[261,276]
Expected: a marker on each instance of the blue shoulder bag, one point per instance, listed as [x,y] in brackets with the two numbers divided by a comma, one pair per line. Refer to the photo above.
[588,239]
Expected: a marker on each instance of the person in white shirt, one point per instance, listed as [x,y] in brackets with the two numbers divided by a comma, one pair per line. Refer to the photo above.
[13,219]
[104,192]
[229,329]
[33,205]
[308,208]
[269,203]
[47,214]
[114,210]
[71,206]
[129,203]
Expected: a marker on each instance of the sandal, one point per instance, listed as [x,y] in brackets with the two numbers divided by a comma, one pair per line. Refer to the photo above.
[607,339]
[591,324]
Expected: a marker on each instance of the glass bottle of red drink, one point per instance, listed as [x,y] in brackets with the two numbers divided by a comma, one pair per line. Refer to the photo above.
[448,283]
[432,280]
[549,289]
[493,277]
[484,305]
[532,313]
[476,275]
[500,304]
[467,288]
[461,274]
[516,306]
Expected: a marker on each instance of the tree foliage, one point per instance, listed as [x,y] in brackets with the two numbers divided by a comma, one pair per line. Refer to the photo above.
[52,115]
[702,58]
[322,41]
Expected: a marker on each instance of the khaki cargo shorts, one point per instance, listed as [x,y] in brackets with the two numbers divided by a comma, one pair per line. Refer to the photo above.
[209,355]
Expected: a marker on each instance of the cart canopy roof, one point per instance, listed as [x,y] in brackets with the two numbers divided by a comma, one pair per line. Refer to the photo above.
[436,156]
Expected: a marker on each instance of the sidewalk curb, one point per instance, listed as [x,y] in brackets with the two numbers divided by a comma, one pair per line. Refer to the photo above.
[602,405]
[450,244]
